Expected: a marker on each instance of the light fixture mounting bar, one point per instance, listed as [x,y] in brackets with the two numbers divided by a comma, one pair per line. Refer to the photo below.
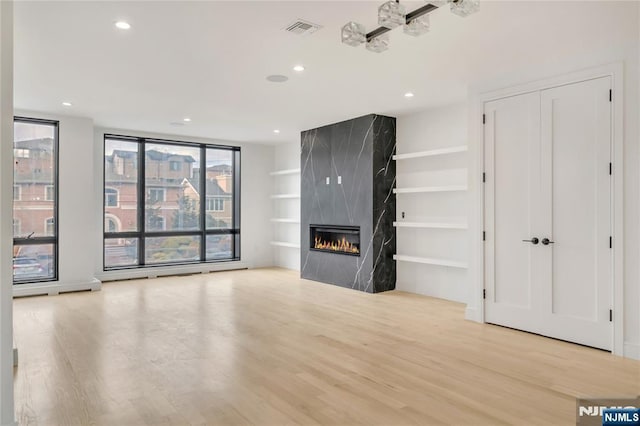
[410,17]
[420,11]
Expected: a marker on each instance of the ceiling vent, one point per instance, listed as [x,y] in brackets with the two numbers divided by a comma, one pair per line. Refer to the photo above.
[302,28]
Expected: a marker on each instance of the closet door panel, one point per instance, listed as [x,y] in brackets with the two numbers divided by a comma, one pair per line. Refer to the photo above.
[576,145]
[512,157]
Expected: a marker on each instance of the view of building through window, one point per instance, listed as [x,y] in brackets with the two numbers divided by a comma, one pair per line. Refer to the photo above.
[35,200]
[153,206]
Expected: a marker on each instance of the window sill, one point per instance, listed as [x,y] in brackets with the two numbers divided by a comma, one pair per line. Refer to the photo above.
[162,271]
[53,288]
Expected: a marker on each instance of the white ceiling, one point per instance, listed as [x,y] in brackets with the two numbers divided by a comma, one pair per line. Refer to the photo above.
[208,60]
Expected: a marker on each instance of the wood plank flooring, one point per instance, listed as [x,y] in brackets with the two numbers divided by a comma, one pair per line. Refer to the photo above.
[264,347]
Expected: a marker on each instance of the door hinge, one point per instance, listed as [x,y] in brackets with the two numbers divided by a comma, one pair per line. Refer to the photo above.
[484,293]
[610,242]
[484,119]
[610,169]
[610,95]
[484,236]
[610,315]
[484,177]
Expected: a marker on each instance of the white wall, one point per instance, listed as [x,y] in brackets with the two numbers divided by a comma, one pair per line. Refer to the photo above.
[433,129]
[616,26]
[6,213]
[287,157]
[255,188]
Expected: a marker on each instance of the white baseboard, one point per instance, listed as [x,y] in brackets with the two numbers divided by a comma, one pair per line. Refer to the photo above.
[472,314]
[55,288]
[632,350]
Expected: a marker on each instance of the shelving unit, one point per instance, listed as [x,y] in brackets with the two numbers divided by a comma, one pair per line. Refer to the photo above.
[285,172]
[448,223]
[423,189]
[285,214]
[430,261]
[284,220]
[285,244]
[285,196]
[430,153]
[431,225]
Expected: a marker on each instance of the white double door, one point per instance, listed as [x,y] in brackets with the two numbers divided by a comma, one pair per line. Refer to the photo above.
[548,222]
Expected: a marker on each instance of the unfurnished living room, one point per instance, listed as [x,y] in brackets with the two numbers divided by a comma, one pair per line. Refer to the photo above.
[320,212]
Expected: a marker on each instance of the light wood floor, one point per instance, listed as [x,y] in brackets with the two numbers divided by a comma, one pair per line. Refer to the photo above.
[264,347]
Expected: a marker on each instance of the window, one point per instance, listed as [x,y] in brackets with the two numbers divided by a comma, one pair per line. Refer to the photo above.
[156,195]
[215,204]
[110,197]
[155,223]
[49,226]
[110,224]
[35,173]
[162,219]
[20,153]
[49,193]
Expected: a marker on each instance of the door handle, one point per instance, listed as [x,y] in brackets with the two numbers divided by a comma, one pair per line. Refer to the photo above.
[533,241]
[546,241]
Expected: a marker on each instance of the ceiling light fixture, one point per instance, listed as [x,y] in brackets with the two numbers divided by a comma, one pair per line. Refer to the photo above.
[298,68]
[122,25]
[277,78]
[276,131]
[186,120]
[67,104]
[408,95]
[392,14]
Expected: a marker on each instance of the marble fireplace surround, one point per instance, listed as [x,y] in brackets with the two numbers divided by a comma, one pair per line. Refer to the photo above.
[347,179]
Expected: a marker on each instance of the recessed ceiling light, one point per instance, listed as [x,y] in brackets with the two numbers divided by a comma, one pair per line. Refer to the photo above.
[277,78]
[408,95]
[276,131]
[122,25]
[298,68]
[186,120]
[67,104]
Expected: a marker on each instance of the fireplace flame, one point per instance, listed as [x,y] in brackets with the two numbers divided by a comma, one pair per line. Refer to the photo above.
[341,245]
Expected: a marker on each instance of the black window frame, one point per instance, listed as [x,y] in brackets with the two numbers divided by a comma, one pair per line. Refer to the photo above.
[141,233]
[53,240]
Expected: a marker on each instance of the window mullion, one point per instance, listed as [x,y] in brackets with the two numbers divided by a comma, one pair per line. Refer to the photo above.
[203,203]
[142,190]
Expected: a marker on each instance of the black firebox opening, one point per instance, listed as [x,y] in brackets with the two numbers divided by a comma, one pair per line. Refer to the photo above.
[335,239]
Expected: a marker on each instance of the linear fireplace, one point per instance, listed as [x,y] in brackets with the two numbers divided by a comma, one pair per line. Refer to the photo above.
[335,239]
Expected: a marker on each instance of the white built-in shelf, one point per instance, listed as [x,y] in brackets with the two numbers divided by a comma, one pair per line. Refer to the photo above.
[285,172]
[285,244]
[283,196]
[430,153]
[438,225]
[285,220]
[430,261]
[449,188]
